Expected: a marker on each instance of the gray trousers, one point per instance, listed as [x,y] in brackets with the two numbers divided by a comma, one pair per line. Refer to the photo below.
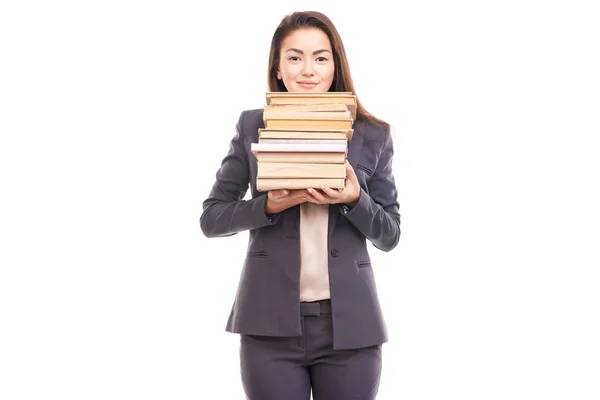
[286,368]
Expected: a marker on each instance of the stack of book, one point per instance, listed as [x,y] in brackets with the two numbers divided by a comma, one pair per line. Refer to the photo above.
[305,140]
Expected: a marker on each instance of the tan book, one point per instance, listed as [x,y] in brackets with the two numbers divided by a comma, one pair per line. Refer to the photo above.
[310,120]
[312,98]
[266,184]
[300,170]
[308,124]
[308,94]
[310,115]
[295,157]
[304,141]
[275,108]
[316,97]
[297,134]
[296,147]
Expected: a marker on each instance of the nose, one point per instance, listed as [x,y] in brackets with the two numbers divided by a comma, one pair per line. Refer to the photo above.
[307,70]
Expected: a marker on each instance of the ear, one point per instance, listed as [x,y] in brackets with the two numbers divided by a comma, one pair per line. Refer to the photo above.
[278,75]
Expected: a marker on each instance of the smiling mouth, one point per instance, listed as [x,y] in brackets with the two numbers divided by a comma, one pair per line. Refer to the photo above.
[307,84]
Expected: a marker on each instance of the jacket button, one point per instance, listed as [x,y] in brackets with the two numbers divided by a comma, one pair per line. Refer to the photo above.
[334,253]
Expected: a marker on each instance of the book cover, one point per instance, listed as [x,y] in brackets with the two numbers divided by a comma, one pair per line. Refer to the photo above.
[295,157]
[299,134]
[300,170]
[316,124]
[303,141]
[264,185]
[302,148]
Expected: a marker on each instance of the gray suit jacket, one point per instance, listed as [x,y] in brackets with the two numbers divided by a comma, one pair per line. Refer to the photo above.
[267,300]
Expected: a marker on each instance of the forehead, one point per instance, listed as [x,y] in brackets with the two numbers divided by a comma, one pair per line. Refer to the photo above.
[306,39]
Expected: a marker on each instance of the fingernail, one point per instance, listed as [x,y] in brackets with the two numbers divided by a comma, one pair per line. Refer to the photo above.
[310,190]
[322,187]
[285,192]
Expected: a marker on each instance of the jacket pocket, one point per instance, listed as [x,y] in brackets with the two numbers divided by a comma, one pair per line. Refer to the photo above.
[363,264]
[259,254]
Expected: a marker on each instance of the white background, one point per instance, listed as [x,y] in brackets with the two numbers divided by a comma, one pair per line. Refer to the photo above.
[115,116]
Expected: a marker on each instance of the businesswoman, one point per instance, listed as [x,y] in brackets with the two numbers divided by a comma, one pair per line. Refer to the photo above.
[307,308]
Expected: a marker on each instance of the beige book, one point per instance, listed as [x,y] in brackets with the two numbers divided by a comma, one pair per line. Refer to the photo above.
[275,108]
[310,115]
[309,124]
[296,157]
[300,170]
[351,107]
[304,141]
[309,94]
[264,185]
[305,98]
[312,98]
[295,134]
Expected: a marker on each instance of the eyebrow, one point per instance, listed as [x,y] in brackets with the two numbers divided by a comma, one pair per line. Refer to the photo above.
[314,53]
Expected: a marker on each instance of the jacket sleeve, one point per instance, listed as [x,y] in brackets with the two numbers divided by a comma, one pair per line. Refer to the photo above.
[376,214]
[224,212]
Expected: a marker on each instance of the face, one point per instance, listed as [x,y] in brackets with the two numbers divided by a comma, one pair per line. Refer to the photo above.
[306,61]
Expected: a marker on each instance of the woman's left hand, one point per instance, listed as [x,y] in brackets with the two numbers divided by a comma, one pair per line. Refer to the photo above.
[348,195]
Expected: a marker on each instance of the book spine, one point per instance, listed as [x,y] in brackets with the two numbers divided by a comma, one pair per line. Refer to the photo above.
[310,115]
[303,141]
[302,148]
[293,157]
[308,124]
[299,134]
[294,170]
[264,185]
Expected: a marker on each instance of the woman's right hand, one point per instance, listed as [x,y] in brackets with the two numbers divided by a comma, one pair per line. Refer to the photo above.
[279,200]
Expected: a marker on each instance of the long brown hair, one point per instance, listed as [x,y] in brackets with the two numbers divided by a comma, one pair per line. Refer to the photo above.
[342,80]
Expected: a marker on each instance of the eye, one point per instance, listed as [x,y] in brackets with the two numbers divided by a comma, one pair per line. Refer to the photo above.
[294,58]
[321,59]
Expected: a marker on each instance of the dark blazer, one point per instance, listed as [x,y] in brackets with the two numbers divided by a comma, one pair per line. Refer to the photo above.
[268,297]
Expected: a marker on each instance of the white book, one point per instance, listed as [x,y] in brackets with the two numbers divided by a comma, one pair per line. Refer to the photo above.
[304,141]
[302,148]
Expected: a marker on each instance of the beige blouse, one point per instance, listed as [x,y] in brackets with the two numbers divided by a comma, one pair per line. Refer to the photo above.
[314,267]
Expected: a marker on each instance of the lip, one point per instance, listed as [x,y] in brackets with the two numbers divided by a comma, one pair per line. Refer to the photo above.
[307,84]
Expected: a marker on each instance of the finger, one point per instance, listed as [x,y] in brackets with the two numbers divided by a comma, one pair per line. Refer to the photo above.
[277,194]
[300,200]
[313,199]
[317,196]
[350,171]
[298,195]
[330,192]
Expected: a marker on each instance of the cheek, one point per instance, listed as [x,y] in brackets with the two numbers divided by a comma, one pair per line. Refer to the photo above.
[289,72]
[328,73]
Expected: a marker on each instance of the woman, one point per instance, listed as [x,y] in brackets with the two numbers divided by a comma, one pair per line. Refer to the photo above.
[306,308]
